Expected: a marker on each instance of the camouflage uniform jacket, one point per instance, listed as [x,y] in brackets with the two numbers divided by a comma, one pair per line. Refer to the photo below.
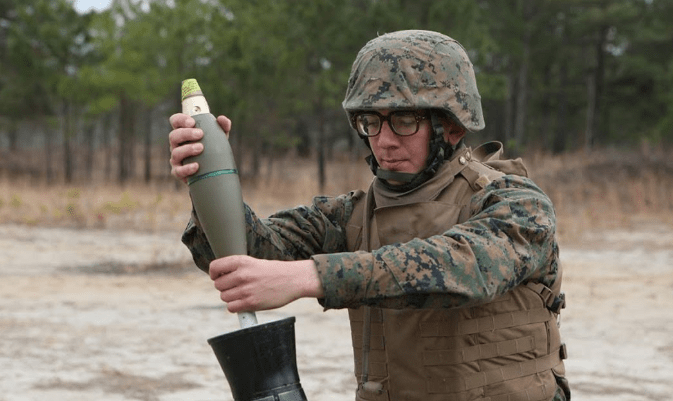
[508,239]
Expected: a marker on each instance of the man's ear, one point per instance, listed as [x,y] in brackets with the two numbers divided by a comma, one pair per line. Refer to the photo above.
[453,133]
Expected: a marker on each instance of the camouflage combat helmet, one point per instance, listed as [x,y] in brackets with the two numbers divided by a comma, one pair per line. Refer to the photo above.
[416,69]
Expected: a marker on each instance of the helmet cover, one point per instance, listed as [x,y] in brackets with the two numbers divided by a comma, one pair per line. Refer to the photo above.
[415,69]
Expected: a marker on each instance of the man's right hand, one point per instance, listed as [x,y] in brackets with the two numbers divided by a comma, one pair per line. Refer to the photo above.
[183,142]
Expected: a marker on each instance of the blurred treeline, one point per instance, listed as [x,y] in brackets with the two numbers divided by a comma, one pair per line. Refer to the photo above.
[85,94]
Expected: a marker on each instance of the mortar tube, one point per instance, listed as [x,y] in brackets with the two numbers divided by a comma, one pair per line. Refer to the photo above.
[215,188]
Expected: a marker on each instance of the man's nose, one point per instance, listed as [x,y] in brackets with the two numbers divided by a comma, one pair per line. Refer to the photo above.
[387,136]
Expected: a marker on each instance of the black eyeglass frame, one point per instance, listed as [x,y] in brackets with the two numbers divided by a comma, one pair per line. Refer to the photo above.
[418,115]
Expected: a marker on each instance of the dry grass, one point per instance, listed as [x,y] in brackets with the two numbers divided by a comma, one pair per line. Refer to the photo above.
[607,189]
[97,206]
[590,192]
[164,205]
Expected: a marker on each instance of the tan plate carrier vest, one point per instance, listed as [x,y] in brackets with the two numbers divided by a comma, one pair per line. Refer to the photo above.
[504,350]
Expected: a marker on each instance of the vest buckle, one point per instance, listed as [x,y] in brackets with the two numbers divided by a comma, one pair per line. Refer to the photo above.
[563,352]
[558,303]
[552,302]
[373,387]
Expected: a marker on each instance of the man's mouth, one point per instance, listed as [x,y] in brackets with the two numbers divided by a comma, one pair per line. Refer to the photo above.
[392,162]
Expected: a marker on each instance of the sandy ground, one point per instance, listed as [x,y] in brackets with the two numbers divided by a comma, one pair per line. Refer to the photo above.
[101,315]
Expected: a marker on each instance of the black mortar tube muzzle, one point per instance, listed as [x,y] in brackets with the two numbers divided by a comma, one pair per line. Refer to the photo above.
[260,362]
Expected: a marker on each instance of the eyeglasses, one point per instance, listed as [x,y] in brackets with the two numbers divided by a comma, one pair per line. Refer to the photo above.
[402,122]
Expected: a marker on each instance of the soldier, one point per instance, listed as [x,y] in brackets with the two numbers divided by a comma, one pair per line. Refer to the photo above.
[448,263]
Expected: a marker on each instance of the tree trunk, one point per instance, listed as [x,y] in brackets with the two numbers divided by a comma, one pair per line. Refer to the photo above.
[595,92]
[559,142]
[509,107]
[544,136]
[522,79]
[321,149]
[67,135]
[148,145]
[48,152]
[126,131]
[90,152]
[591,111]
[122,166]
[13,136]
[521,99]
[257,146]
[107,144]
[131,140]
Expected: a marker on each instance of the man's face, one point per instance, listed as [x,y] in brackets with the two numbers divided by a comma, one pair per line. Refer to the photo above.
[408,154]
[405,154]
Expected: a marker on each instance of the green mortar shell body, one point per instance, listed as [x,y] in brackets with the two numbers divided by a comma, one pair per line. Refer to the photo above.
[216,191]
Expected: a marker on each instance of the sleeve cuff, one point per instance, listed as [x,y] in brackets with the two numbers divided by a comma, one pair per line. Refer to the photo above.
[345,278]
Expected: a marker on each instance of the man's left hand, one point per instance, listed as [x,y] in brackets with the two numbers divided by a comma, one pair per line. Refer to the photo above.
[248,284]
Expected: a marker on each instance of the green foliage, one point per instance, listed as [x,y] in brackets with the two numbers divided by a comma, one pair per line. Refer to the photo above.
[492,86]
[273,65]
[45,44]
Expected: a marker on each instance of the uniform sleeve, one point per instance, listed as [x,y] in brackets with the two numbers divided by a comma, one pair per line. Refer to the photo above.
[293,234]
[509,239]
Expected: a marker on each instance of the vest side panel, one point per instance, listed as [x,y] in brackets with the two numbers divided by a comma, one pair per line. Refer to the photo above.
[504,350]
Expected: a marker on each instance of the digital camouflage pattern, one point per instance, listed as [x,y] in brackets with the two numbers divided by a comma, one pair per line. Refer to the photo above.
[415,70]
[509,239]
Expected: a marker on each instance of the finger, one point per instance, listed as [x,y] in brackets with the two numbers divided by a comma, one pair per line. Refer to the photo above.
[229,294]
[225,265]
[180,153]
[181,136]
[181,120]
[238,306]
[239,300]
[180,169]
[231,283]
[182,173]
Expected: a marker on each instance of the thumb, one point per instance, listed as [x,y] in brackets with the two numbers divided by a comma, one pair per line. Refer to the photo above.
[225,124]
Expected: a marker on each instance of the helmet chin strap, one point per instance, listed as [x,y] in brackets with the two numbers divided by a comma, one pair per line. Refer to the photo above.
[439,151]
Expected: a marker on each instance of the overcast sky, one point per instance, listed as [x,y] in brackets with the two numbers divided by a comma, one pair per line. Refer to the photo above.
[83,6]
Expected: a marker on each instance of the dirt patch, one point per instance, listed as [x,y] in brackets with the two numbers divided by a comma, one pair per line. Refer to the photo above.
[117,315]
[130,386]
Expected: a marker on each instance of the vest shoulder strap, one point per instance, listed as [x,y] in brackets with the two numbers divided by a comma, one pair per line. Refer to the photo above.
[354,225]
[490,153]
[479,175]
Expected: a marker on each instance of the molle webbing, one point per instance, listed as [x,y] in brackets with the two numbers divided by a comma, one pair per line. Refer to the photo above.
[502,350]
[543,393]
[535,393]
[484,324]
[445,385]
[479,351]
